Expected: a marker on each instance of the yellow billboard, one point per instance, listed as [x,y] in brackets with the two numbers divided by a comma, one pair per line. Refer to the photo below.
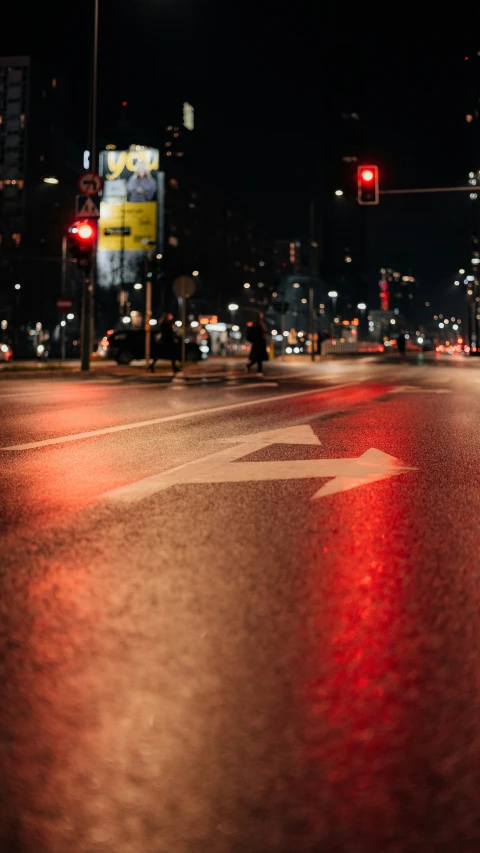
[129,223]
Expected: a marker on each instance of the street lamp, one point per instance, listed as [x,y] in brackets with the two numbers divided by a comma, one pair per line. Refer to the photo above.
[18,287]
[50,180]
[195,273]
[339,192]
[333,296]
[232,308]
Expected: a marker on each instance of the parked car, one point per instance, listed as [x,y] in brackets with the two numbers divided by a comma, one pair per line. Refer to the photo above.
[126,345]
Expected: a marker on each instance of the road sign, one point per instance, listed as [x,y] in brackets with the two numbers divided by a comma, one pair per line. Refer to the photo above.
[64,303]
[344,474]
[183,287]
[86,207]
[90,183]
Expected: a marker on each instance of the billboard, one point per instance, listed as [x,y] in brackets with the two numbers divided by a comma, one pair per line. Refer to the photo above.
[130,214]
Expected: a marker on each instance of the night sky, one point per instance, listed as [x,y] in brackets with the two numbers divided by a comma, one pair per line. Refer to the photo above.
[265,88]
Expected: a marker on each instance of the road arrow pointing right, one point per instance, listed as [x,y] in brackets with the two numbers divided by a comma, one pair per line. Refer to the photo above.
[226,466]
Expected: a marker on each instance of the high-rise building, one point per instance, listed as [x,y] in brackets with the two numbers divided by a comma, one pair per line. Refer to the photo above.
[38,169]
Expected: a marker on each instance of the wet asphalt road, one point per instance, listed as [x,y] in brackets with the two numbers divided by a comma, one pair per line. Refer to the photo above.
[196,664]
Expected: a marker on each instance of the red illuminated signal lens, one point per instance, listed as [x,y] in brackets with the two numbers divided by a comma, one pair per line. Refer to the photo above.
[367,175]
[85,231]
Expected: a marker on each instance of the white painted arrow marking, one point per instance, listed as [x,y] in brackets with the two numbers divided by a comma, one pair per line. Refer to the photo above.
[223,467]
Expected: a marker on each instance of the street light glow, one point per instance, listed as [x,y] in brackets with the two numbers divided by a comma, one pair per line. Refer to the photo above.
[51,180]
[233,306]
[338,192]
[70,316]
[246,285]
[137,286]
[195,273]
[332,294]
[361,306]
[18,286]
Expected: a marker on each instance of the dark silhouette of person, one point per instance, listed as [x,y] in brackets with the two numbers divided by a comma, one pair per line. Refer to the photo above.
[401,345]
[258,339]
[166,345]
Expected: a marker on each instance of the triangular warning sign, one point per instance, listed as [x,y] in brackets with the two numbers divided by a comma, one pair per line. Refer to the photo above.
[89,209]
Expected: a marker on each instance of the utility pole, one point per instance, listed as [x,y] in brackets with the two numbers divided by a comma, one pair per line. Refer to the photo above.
[311,274]
[63,290]
[88,311]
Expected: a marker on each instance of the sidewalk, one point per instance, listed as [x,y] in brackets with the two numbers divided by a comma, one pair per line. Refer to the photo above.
[106,368]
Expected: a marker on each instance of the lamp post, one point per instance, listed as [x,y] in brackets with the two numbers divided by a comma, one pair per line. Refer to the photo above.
[333,296]
[233,307]
[362,307]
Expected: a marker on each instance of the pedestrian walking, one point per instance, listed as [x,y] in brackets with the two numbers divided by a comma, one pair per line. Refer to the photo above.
[257,336]
[165,343]
[401,345]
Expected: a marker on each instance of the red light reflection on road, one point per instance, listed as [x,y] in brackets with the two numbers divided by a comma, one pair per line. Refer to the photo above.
[354,705]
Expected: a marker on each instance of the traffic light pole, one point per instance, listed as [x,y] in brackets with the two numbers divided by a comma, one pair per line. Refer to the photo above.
[428,190]
[85,337]
[88,313]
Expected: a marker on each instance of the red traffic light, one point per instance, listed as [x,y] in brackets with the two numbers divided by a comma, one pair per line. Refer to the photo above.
[367,175]
[367,185]
[85,231]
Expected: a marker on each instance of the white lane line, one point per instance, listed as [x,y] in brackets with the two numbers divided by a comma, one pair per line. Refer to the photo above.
[170,418]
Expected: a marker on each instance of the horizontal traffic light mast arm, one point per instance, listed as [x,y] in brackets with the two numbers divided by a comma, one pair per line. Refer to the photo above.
[429,190]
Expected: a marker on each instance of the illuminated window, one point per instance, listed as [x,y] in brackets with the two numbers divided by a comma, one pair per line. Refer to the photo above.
[54,83]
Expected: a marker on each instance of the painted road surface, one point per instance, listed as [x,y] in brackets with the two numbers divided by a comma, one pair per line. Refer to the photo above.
[242,619]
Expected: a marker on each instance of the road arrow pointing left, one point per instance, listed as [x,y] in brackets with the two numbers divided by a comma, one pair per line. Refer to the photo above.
[226,467]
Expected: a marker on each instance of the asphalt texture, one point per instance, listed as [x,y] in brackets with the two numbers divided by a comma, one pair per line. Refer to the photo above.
[190,664]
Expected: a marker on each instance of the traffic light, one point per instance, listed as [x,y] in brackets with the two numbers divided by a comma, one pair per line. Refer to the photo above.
[82,239]
[367,183]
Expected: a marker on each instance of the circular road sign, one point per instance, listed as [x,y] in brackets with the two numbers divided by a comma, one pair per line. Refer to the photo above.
[183,287]
[90,183]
